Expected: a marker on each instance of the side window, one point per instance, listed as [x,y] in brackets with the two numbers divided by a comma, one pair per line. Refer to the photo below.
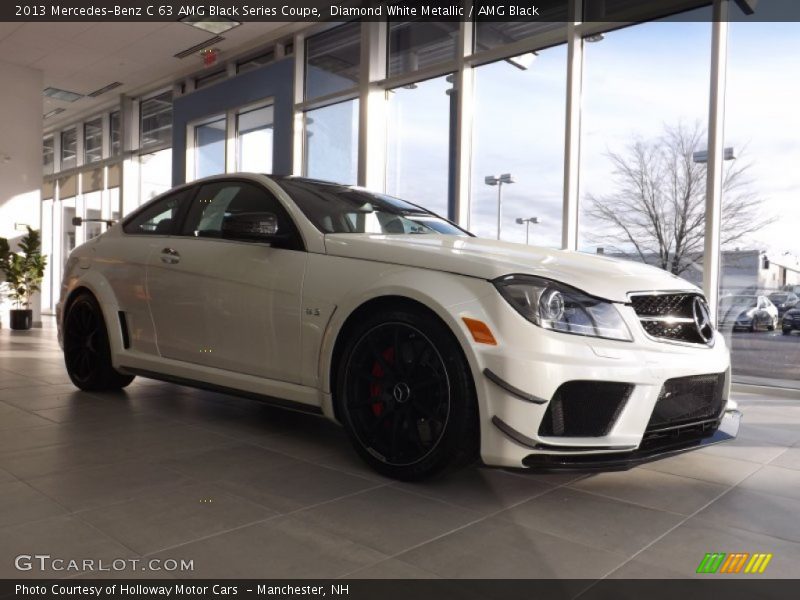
[158,218]
[218,201]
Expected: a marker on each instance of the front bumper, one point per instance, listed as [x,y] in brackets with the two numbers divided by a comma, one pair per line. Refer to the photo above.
[518,380]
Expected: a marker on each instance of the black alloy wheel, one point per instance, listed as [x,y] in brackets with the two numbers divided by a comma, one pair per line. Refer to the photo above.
[405,395]
[87,354]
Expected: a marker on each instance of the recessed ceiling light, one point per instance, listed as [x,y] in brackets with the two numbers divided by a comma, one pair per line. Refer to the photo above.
[53,113]
[215,25]
[64,95]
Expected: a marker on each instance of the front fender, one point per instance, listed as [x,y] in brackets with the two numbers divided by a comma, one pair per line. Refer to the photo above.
[358,282]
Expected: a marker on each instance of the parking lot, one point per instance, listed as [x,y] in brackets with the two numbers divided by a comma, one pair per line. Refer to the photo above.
[765,354]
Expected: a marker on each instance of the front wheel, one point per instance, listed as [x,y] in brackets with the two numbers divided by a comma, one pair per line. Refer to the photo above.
[405,395]
[87,354]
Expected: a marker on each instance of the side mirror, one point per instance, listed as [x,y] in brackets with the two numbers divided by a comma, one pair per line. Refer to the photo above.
[257,226]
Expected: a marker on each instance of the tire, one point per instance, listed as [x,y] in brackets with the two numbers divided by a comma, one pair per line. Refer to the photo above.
[787,332]
[87,354]
[774,324]
[405,395]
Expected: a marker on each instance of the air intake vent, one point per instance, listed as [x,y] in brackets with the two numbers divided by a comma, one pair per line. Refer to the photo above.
[197,47]
[104,89]
[585,408]
[686,400]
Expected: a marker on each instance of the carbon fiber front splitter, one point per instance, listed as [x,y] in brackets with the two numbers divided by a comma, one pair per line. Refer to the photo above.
[649,450]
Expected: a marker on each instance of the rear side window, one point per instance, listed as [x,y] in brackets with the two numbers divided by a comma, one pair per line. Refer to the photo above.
[157,218]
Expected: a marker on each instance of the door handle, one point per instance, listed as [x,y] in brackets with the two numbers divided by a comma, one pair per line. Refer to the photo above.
[170,256]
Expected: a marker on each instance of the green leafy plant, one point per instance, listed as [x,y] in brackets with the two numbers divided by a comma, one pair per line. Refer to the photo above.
[23,271]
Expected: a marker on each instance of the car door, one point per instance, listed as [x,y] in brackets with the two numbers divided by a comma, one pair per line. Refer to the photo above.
[143,233]
[175,286]
[251,289]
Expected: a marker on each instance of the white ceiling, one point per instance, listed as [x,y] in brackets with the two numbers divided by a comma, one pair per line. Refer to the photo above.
[83,57]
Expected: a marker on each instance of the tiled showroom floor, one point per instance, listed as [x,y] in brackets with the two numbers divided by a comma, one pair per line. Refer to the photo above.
[244,490]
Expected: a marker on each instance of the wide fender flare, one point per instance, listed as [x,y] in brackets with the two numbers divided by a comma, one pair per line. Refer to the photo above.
[449,296]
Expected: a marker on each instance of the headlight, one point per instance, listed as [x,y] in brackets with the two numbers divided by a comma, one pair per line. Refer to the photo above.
[552,305]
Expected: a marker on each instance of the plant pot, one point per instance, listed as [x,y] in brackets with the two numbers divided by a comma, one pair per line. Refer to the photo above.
[21,319]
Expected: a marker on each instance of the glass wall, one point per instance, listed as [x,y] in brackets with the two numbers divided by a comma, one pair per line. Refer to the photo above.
[155,121]
[760,275]
[69,149]
[645,111]
[47,252]
[333,59]
[93,209]
[155,174]
[415,45]
[518,128]
[93,140]
[68,232]
[254,140]
[115,127]
[48,155]
[418,143]
[331,142]
[209,147]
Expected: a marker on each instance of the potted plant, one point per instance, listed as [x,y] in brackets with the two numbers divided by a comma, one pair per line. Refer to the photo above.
[23,272]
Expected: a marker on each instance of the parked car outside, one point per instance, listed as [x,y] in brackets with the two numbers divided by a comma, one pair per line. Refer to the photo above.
[791,321]
[783,301]
[747,313]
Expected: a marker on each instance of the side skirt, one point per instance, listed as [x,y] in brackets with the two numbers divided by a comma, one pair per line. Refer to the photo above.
[211,387]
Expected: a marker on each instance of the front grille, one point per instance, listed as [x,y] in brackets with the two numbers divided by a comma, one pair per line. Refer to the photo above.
[686,400]
[584,408]
[671,317]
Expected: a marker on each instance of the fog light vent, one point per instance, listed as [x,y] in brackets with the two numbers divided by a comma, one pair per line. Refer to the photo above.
[585,408]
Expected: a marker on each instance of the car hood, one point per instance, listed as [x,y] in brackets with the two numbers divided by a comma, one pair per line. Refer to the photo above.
[601,276]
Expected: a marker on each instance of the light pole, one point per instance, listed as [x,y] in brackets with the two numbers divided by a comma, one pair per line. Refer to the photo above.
[528,222]
[499,181]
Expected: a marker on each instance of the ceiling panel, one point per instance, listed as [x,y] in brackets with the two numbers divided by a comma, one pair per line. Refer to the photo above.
[83,57]
[20,53]
[8,28]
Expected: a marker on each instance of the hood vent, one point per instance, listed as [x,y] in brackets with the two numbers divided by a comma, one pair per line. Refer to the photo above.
[104,89]
[197,47]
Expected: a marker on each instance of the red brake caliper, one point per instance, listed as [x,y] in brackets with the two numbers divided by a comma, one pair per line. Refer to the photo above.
[375,388]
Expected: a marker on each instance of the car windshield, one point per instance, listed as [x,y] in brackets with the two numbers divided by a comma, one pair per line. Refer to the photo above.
[778,297]
[738,302]
[335,208]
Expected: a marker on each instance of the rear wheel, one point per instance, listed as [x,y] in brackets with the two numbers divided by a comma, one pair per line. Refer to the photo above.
[405,395]
[87,354]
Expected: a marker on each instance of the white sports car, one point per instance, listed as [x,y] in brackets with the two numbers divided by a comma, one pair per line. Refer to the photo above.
[427,344]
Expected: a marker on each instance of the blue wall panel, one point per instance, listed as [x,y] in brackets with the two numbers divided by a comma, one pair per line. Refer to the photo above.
[274,81]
